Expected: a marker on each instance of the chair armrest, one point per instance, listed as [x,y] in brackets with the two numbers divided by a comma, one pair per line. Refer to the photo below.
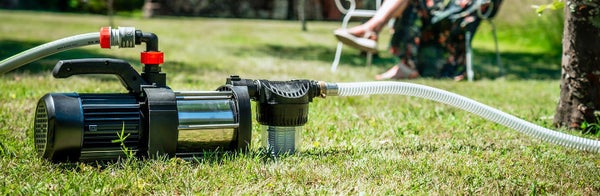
[341,7]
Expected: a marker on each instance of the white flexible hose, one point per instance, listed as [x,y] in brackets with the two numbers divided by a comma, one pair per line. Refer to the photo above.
[464,103]
[47,49]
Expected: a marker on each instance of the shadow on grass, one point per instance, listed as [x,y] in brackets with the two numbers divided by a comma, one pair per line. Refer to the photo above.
[197,68]
[45,65]
[515,65]
[263,156]
[209,157]
[314,53]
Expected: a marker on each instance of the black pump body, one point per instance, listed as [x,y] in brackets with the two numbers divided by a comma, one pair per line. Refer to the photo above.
[155,120]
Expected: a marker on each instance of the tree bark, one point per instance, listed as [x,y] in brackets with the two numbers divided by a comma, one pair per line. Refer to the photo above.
[580,75]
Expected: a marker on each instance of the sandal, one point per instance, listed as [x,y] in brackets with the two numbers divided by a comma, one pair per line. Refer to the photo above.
[399,71]
[362,43]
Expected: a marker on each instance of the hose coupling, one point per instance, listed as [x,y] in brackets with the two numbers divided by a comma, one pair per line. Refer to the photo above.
[123,37]
[328,89]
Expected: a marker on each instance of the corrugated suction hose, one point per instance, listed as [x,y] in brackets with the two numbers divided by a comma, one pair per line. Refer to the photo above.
[464,103]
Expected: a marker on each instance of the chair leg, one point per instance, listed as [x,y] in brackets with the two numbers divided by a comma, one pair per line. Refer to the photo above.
[498,60]
[369,58]
[469,56]
[338,51]
[338,54]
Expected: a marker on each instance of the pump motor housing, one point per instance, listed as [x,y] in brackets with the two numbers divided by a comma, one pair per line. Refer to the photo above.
[71,126]
[84,127]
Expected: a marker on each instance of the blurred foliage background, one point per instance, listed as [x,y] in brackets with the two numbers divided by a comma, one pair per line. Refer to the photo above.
[79,6]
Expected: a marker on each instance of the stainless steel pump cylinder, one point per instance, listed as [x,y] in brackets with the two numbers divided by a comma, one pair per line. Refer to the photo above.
[207,121]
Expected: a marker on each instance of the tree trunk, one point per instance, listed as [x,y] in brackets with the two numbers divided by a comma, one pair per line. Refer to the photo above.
[580,82]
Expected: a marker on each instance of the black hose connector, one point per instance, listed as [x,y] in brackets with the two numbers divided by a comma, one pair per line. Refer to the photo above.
[150,39]
[152,71]
[280,103]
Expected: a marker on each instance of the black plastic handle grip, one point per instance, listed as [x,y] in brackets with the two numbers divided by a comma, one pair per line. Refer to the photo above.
[129,77]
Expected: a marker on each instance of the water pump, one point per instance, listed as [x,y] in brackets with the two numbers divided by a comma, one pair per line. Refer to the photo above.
[160,121]
[156,120]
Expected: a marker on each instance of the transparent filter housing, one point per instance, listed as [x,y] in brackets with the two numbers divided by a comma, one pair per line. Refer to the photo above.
[281,140]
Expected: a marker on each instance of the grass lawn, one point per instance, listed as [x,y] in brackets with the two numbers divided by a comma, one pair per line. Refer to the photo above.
[351,145]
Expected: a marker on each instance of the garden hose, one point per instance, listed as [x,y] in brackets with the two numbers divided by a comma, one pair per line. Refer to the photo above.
[464,103]
[48,49]
[122,37]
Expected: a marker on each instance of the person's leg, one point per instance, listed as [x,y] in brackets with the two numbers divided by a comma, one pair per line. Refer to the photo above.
[403,45]
[389,9]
